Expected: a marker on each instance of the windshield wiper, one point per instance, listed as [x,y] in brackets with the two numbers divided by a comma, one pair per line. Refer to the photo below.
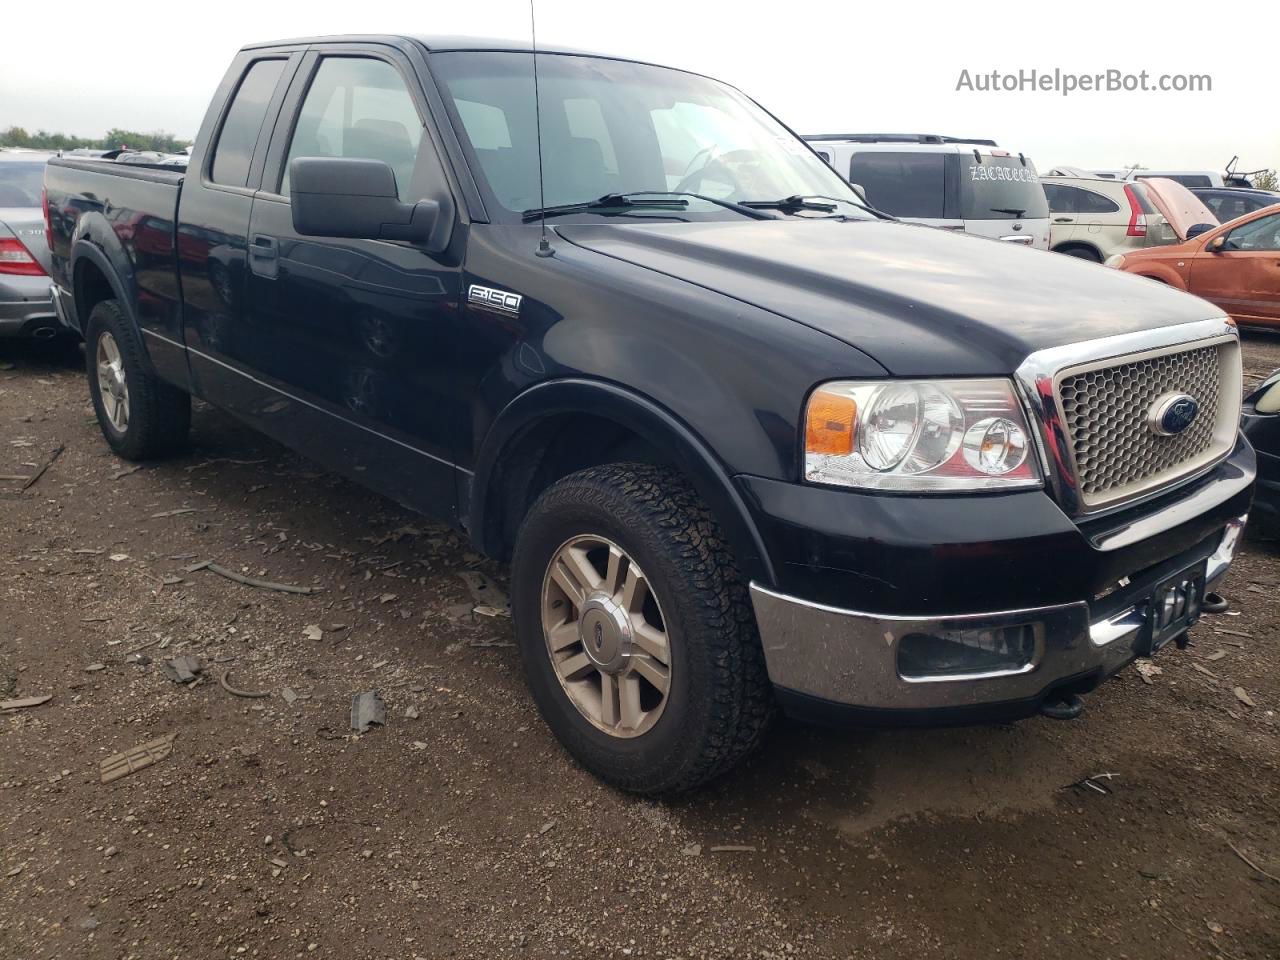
[607,201]
[1018,212]
[824,204]
[659,199]
[794,203]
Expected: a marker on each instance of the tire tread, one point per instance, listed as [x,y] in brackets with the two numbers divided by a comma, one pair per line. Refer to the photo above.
[159,413]
[740,697]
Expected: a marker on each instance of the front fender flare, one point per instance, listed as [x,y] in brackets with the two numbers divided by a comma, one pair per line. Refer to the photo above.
[648,420]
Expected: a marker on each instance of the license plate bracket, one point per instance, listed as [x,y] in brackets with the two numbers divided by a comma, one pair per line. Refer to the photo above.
[1175,606]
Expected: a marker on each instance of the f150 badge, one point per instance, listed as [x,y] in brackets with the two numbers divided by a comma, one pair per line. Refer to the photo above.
[502,301]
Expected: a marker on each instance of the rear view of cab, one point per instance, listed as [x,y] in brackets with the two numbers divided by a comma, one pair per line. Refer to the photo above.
[949,182]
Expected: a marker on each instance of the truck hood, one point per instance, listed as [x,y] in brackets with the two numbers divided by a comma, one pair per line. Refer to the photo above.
[920,301]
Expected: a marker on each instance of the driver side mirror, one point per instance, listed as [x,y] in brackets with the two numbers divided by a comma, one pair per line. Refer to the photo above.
[357,198]
[858,189]
[1217,244]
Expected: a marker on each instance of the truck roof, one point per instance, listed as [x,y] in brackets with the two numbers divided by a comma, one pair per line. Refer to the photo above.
[897,138]
[439,43]
[435,42]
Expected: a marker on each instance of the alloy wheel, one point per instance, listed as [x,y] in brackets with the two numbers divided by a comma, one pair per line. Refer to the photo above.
[606,636]
[112,386]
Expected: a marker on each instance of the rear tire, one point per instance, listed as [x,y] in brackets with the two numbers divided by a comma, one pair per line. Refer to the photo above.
[1082,253]
[140,415]
[712,701]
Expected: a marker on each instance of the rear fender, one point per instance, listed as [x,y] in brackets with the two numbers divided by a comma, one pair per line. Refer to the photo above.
[94,242]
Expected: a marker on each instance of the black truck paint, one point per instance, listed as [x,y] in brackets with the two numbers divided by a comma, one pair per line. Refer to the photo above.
[687,342]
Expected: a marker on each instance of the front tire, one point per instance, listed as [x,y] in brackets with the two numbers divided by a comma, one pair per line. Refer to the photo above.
[636,631]
[140,415]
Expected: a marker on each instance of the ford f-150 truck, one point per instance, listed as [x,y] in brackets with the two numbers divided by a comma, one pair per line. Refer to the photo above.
[743,441]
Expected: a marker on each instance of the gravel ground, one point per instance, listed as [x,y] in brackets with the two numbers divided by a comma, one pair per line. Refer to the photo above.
[460,829]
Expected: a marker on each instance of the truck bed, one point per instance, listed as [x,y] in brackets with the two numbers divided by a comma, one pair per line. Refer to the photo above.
[89,202]
[89,199]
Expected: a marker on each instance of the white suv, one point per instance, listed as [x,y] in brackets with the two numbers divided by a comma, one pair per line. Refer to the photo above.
[947,182]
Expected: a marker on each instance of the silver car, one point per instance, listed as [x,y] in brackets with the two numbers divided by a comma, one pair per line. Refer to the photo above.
[26,300]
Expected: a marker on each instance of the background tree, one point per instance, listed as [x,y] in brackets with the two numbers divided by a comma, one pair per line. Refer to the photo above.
[114,138]
[1266,180]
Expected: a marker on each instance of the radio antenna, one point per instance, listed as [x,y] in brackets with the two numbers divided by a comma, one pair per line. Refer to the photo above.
[544,245]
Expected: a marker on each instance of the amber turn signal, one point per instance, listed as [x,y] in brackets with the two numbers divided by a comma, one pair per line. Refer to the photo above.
[829,423]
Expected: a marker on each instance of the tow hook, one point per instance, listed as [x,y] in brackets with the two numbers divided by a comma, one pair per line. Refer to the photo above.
[1215,603]
[1066,707]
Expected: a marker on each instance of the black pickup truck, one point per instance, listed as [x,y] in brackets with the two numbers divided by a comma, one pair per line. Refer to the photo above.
[744,442]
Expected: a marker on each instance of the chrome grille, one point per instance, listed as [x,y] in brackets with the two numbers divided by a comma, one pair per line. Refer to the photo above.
[1105,410]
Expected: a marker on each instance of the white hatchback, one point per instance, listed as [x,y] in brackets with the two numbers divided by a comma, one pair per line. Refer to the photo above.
[947,182]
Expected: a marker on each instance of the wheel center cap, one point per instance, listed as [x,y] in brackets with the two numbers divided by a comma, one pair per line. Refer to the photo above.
[605,631]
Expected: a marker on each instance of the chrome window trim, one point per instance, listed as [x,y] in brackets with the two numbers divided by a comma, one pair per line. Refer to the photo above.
[1040,373]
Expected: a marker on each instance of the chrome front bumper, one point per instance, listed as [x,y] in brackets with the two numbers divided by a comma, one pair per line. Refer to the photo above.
[851,658]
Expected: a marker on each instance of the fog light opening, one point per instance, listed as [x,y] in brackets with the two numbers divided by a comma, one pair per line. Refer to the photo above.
[951,654]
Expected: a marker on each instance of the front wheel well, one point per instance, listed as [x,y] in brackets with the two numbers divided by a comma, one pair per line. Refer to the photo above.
[541,454]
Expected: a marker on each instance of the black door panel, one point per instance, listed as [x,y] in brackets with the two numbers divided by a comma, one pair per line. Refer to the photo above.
[351,336]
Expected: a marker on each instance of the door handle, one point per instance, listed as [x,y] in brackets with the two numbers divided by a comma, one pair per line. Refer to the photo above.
[1063,220]
[263,247]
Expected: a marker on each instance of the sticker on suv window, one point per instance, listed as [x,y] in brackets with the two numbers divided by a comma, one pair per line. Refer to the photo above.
[1020,174]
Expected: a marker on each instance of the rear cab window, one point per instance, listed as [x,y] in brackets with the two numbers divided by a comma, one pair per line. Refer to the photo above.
[240,128]
[1000,188]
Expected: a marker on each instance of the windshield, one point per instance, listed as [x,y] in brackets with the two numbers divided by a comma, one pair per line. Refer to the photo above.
[20,184]
[1000,188]
[612,127]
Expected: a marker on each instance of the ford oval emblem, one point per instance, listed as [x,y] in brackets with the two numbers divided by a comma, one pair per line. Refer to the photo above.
[1172,413]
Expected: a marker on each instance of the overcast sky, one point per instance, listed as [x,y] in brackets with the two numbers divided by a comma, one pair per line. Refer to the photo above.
[81,67]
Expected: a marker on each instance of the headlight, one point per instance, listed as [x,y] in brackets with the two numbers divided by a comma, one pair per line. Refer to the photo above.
[922,435]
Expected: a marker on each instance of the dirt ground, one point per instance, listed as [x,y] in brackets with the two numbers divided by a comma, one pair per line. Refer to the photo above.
[465,831]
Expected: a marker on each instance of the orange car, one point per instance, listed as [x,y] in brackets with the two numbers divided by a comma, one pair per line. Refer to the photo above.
[1236,266]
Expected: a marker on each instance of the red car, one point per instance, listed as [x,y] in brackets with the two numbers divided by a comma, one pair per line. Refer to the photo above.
[1236,266]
